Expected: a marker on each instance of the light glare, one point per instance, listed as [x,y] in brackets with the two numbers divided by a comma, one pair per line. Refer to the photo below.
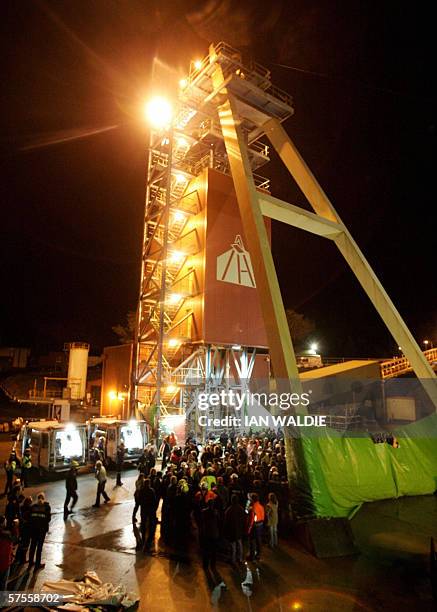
[174,298]
[176,256]
[178,215]
[159,112]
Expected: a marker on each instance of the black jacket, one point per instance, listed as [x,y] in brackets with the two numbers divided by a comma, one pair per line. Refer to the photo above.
[71,481]
[40,516]
[147,500]
[235,523]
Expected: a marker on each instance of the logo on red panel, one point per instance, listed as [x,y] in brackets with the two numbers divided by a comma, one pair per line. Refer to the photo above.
[234,266]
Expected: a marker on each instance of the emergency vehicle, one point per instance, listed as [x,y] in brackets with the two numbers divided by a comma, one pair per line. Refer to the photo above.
[113,431]
[53,444]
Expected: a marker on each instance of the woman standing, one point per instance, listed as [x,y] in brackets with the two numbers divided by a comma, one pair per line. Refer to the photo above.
[272,519]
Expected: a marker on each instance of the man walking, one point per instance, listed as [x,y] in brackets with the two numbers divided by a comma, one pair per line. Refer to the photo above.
[40,516]
[119,463]
[71,489]
[101,482]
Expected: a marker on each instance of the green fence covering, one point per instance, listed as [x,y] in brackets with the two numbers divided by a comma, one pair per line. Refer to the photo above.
[344,472]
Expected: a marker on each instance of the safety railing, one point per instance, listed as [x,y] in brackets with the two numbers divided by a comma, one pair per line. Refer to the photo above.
[391,368]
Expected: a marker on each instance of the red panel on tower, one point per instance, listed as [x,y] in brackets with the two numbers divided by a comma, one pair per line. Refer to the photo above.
[232,312]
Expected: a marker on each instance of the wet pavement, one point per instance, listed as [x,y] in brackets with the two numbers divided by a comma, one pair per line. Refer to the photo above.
[389,574]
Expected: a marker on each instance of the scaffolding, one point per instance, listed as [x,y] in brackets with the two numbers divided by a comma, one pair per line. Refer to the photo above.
[169,369]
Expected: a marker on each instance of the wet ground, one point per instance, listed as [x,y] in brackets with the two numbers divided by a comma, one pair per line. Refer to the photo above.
[390,573]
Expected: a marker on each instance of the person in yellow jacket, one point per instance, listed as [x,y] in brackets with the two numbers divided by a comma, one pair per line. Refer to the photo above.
[209,479]
[26,466]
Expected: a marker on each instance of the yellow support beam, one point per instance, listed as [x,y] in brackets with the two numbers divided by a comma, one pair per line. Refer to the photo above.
[282,355]
[353,255]
[275,320]
[298,217]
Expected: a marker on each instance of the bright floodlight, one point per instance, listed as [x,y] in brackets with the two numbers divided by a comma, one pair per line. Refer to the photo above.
[173,342]
[174,298]
[178,215]
[183,83]
[112,395]
[198,64]
[159,112]
[176,256]
[314,347]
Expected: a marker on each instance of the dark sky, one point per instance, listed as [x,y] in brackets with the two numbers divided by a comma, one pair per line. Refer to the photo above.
[362,75]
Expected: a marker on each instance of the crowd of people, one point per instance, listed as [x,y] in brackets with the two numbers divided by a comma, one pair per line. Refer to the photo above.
[25,523]
[233,491]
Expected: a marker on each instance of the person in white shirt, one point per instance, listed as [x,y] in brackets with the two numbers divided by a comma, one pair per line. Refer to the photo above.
[101,482]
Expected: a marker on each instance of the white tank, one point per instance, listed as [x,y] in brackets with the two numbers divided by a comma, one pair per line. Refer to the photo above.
[77,368]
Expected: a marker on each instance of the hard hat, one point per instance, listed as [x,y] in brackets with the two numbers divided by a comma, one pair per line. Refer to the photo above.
[74,464]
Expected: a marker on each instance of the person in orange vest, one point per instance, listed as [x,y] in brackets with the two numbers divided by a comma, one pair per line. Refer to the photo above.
[255,528]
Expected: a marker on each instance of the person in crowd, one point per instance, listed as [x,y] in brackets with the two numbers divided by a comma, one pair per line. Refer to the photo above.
[272,519]
[210,533]
[246,468]
[235,488]
[151,457]
[147,501]
[119,463]
[24,530]
[168,508]
[143,463]
[223,492]
[71,489]
[138,486]
[165,452]
[8,538]
[182,511]
[40,516]
[10,469]
[234,528]
[255,525]
[209,478]
[12,510]
[26,466]
[101,483]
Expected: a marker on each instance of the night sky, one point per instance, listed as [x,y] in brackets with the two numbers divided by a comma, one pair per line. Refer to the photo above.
[73,156]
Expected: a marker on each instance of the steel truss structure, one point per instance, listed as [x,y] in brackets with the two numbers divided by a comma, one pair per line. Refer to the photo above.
[225,107]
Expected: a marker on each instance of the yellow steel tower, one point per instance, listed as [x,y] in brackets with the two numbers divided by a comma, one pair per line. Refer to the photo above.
[210,308]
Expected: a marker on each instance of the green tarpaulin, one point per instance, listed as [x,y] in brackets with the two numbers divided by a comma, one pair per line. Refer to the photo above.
[344,472]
